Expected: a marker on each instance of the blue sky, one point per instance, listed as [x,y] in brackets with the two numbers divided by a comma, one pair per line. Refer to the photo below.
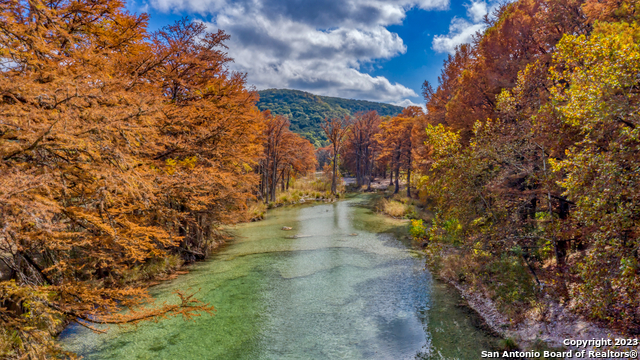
[379,50]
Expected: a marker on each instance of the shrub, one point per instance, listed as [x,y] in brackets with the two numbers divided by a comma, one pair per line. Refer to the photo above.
[418,230]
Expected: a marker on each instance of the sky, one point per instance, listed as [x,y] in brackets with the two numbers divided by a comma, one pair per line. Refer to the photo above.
[377,50]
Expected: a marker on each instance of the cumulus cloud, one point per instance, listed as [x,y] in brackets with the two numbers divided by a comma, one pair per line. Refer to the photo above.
[317,46]
[461,31]
[477,10]
[407,102]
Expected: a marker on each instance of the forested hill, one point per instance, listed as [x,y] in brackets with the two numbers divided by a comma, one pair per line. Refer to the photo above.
[306,111]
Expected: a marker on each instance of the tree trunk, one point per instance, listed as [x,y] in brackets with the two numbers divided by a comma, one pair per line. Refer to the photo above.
[370,167]
[274,181]
[333,175]
[390,175]
[265,183]
[561,247]
[397,188]
[409,182]
[358,172]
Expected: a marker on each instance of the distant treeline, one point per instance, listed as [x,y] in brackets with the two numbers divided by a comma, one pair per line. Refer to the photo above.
[307,111]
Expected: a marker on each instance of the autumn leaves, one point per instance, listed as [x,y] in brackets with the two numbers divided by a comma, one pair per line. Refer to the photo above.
[118,146]
[368,145]
[286,156]
[532,156]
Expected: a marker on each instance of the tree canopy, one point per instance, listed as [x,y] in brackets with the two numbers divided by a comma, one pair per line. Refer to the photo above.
[529,155]
[531,149]
[118,148]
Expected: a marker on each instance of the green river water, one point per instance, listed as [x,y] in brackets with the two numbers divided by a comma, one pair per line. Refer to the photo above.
[342,284]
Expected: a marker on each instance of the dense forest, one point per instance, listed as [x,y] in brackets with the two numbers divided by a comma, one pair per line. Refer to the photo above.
[529,156]
[533,143]
[306,111]
[123,152]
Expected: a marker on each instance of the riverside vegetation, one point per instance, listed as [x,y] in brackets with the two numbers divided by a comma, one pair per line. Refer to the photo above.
[124,152]
[528,157]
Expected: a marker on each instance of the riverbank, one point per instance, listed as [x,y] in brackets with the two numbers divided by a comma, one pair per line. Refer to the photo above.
[339,284]
[543,326]
[528,334]
[539,324]
[314,188]
[159,271]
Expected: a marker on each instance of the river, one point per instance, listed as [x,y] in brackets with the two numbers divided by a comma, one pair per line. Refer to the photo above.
[342,284]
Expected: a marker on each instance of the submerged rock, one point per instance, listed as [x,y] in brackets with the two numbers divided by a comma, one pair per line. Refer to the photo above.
[297,236]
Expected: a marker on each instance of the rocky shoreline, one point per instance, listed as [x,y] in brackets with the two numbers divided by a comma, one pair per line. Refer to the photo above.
[559,324]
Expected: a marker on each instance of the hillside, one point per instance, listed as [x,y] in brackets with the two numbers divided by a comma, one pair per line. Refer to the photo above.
[307,111]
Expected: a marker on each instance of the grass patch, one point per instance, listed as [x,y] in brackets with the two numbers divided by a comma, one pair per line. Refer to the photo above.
[393,208]
[256,211]
[309,188]
[397,206]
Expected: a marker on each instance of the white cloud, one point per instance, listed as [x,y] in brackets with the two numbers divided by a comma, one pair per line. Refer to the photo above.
[461,31]
[477,10]
[406,103]
[288,54]
[317,46]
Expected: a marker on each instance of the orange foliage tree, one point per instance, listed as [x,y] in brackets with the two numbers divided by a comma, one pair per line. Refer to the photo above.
[117,147]
[360,147]
[395,139]
[336,130]
[526,152]
[286,154]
